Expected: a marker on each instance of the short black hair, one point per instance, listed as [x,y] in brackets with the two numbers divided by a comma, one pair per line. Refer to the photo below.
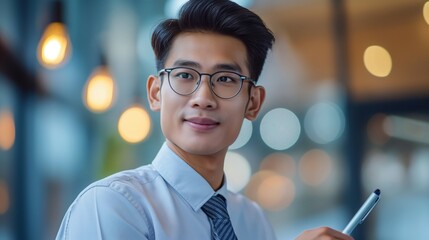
[217,16]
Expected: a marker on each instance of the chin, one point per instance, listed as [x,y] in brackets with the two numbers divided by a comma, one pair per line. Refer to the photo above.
[201,148]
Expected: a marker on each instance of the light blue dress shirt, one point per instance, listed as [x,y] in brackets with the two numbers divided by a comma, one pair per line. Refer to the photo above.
[160,201]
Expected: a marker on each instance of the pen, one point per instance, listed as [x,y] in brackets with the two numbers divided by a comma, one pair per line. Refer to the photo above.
[363,212]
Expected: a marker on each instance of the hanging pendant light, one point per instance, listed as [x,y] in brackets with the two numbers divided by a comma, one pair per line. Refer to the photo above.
[54,47]
[99,92]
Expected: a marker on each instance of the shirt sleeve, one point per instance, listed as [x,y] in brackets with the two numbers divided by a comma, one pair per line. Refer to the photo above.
[104,213]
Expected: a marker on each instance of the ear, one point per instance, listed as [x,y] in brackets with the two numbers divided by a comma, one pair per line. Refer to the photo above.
[153,88]
[257,97]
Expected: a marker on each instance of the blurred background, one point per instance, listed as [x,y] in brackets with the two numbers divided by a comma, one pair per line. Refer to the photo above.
[347,111]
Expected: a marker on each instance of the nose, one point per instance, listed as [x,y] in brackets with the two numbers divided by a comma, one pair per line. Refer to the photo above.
[203,97]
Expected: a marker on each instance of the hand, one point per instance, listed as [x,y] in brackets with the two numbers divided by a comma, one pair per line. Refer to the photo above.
[323,233]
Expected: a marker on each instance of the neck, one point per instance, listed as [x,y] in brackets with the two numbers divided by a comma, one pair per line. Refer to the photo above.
[210,167]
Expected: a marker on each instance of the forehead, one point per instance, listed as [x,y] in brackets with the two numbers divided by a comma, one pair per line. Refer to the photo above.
[208,52]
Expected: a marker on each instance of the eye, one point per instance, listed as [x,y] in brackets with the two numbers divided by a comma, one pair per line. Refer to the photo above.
[228,78]
[224,79]
[183,75]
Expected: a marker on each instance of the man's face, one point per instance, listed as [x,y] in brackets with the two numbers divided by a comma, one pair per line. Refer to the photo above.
[202,123]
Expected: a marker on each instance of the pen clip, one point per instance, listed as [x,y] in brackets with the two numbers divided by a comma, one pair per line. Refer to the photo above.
[367,213]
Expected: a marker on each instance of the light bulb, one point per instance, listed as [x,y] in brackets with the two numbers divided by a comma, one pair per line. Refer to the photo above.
[54,46]
[99,91]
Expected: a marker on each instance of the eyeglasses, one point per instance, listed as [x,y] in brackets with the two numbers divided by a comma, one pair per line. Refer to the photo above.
[224,84]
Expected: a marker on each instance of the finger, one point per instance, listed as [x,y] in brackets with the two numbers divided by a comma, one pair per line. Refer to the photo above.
[329,233]
[337,235]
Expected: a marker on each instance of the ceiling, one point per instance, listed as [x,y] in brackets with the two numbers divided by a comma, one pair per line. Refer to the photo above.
[306,47]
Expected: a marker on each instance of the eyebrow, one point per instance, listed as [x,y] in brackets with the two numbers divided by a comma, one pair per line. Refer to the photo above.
[217,67]
[228,66]
[186,63]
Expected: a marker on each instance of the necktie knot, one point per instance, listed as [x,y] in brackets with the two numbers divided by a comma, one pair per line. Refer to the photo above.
[215,208]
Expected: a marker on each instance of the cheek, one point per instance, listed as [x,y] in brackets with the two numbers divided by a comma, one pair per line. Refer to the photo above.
[170,109]
[168,120]
[236,114]
[167,112]
[240,104]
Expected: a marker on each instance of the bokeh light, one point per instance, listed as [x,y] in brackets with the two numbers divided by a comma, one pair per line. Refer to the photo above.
[237,170]
[244,136]
[315,167]
[276,192]
[377,61]
[385,171]
[134,124]
[54,46]
[7,130]
[426,12]
[324,122]
[280,163]
[410,129]
[254,183]
[280,129]
[272,191]
[99,90]
[418,170]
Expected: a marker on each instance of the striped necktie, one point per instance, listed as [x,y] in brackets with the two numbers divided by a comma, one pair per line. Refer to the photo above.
[215,209]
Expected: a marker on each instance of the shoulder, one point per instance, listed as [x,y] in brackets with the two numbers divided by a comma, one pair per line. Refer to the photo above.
[117,200]
[129,186]
[128,180]
[142,175]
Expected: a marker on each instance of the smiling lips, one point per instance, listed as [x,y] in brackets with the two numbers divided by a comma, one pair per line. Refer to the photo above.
[202,123]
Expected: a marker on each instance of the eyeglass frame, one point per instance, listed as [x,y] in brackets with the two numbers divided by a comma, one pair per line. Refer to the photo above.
[198,83]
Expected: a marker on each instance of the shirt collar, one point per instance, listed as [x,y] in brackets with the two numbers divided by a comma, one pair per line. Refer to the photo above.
[184,179]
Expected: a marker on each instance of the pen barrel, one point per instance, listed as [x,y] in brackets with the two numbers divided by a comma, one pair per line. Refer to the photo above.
[362,213]
[351,225]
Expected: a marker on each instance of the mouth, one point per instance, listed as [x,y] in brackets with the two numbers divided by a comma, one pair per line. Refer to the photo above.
[201,123]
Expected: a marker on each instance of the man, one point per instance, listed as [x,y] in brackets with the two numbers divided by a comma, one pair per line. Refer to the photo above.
[209,61]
